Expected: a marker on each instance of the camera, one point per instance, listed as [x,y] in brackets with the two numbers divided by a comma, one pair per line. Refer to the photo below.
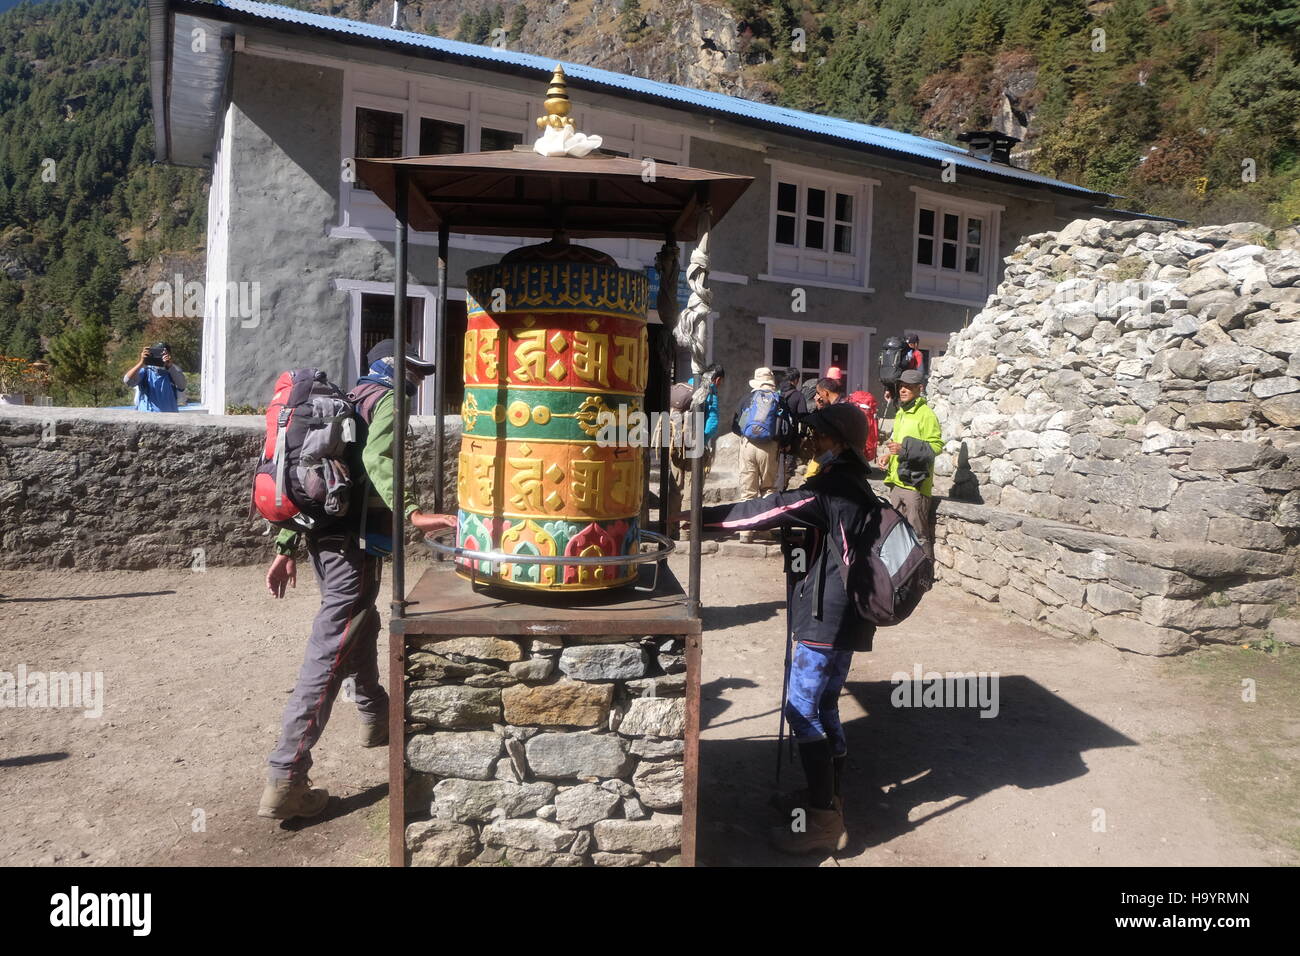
[155,354]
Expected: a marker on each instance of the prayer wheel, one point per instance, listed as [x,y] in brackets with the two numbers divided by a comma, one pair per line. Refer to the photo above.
[555,344]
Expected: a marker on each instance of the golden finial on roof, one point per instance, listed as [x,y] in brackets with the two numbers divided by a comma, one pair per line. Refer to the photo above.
[557,101]
[559,135]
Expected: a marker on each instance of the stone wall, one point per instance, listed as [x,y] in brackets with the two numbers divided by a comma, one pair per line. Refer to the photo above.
[1125,416]
[1140,595]
[100,489]
[545,752]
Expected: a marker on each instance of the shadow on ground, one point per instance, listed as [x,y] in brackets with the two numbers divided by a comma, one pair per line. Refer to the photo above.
[720,618]
[5,599]
[339,807]
[934,761]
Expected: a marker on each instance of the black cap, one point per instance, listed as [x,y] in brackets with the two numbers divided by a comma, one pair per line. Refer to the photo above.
[844,422]
[384,350]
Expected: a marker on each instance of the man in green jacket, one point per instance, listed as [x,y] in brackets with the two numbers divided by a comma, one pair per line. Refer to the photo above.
[347,559]
[909,458]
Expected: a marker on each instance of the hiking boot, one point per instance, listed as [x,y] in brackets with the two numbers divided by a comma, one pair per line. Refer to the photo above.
[786,803]
[374,733]
[823,833]
[285,799]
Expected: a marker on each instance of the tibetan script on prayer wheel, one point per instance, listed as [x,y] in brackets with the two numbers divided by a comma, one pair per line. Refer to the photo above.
[556,339]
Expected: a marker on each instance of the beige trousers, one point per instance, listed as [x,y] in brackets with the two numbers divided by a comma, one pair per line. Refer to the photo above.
[758,461]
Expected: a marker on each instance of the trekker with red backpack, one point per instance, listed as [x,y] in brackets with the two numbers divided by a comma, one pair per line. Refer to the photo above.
[867,402]
[327,479]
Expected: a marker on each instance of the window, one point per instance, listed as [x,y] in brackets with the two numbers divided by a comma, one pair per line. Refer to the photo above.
[955,243]
[813,347]
[390,113]
[438,138]
[499,139]
[370,321]
[377,325]
[378,135]
[820,227]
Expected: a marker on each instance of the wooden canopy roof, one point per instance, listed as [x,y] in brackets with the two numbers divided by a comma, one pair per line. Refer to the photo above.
[519,192]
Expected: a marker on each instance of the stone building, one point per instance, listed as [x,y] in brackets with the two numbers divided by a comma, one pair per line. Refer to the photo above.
[850,233]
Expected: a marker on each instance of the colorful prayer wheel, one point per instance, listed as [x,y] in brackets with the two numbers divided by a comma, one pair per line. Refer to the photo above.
[556,335]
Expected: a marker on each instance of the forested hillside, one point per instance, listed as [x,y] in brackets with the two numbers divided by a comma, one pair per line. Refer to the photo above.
[87,222]
[1188,108]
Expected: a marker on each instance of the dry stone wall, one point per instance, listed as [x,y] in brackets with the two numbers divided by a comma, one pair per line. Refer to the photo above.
[545,752]
[1123,436]
[101,489]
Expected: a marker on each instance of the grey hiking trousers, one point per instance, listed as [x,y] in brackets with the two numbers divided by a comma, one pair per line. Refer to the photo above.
[342,645]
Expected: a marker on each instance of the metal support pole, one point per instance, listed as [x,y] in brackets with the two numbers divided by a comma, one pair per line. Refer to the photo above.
[399,396]
[697,525]
[668,362]
[396,636]
[442,368]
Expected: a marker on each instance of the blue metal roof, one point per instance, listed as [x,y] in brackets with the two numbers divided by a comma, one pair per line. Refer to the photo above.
[906,144]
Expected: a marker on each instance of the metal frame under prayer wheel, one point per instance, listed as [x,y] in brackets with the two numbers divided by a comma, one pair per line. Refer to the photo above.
[521,193]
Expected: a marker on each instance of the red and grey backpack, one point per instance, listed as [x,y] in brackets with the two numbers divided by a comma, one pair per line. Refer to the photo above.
[305,479]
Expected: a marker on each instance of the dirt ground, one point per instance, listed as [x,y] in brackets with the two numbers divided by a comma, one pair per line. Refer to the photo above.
[1095,758]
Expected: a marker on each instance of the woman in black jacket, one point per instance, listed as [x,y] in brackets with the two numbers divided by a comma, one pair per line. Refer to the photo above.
[834,505]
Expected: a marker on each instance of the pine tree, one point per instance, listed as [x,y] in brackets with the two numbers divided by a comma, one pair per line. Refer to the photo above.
[518,20]
[78,361]
[1264,20]
[630,19]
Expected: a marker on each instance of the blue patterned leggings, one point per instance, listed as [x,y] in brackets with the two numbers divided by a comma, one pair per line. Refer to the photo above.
[817,675]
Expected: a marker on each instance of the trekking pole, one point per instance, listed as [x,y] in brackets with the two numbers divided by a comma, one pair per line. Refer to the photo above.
[785,678]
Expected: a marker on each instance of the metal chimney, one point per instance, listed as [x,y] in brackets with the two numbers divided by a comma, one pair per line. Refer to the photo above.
[989,145]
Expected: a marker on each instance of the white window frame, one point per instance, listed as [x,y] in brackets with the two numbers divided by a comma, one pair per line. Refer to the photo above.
[924,277]
[212,377]
[362,216]
[357,203]
[806,272]
[355,288]
[857,336]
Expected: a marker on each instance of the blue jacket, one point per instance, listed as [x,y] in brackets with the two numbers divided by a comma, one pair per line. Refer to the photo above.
[156,388]
[710,411]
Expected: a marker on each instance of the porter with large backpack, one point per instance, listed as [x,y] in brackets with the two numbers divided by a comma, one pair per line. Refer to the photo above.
[305,478]
[893,360]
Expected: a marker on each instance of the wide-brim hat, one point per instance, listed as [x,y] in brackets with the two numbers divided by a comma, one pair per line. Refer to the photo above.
[843,422]
[762,376]
[384,350]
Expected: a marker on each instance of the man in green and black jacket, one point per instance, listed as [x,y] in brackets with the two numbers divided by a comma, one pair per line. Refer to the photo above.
[347,559]
[909,458]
